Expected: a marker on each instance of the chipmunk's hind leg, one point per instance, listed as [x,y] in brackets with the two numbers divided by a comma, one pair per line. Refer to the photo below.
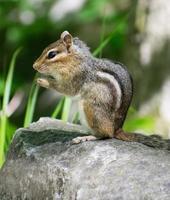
[99,119]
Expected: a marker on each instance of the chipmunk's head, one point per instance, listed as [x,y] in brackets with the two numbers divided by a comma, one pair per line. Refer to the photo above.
[58,58]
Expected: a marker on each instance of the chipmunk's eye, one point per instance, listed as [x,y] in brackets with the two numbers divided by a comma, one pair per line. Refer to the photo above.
[51,54]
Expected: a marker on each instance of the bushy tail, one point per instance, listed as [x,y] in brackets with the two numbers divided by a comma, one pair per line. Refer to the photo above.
[155,141]
[151,141]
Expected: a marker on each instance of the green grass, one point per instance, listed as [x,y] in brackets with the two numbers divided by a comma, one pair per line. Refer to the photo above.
[31,104]
[58,108]
[66,109]
[5,125]
[106,40]
[5,101]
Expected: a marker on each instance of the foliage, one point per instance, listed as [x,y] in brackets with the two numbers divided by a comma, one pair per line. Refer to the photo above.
[134,122]
[5,102]
[59,108]
[31,105]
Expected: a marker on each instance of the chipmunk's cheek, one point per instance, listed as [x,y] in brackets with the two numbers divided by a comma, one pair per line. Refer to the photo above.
[43,69]
[55,72]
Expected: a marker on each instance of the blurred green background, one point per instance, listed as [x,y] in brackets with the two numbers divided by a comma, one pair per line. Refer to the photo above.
[121,30]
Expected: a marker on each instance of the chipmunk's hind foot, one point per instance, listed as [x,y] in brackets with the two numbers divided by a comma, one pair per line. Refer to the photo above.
[78,140]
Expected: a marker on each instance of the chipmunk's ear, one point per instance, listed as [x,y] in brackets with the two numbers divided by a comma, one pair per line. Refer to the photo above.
[67,39]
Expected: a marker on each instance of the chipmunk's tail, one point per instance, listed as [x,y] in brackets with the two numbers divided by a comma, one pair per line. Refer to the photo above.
[155,141]
[151,141]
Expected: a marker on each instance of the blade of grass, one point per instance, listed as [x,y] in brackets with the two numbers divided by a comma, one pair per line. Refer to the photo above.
[75,118]
[31,104]
[106,41]
[0,105]
[102,32]
[66,109]
[6,96]
[101,46]
[118,25]
[10,130]
[58,108]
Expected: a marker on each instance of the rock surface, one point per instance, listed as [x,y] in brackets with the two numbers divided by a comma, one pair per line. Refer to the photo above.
[42,164]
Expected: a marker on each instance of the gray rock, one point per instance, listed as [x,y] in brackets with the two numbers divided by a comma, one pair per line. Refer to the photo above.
[43,164]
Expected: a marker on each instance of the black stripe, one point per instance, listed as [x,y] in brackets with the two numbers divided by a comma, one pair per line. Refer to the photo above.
[117,79]
[125,68]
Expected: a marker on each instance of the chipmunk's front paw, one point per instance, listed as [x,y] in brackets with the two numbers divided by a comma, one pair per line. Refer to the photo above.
[43,82]
[78,140]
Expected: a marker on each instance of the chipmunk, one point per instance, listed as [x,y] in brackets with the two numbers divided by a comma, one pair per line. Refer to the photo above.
[105,88]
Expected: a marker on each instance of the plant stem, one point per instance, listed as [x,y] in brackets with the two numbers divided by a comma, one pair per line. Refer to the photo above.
[7,91]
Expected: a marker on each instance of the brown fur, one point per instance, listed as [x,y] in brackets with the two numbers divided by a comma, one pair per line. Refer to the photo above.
[102,126]
[121,135]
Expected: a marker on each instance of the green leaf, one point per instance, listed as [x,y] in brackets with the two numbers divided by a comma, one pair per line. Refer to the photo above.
[75,118]
[66,109]
[10,130]
[145,124]
[5,102]
[31,104]
[58,108]
[2,85]
[105,41]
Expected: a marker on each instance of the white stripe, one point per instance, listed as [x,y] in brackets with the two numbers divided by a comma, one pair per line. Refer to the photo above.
[112,79]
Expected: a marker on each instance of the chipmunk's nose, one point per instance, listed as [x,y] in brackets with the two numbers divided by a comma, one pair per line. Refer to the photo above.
[35,66]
